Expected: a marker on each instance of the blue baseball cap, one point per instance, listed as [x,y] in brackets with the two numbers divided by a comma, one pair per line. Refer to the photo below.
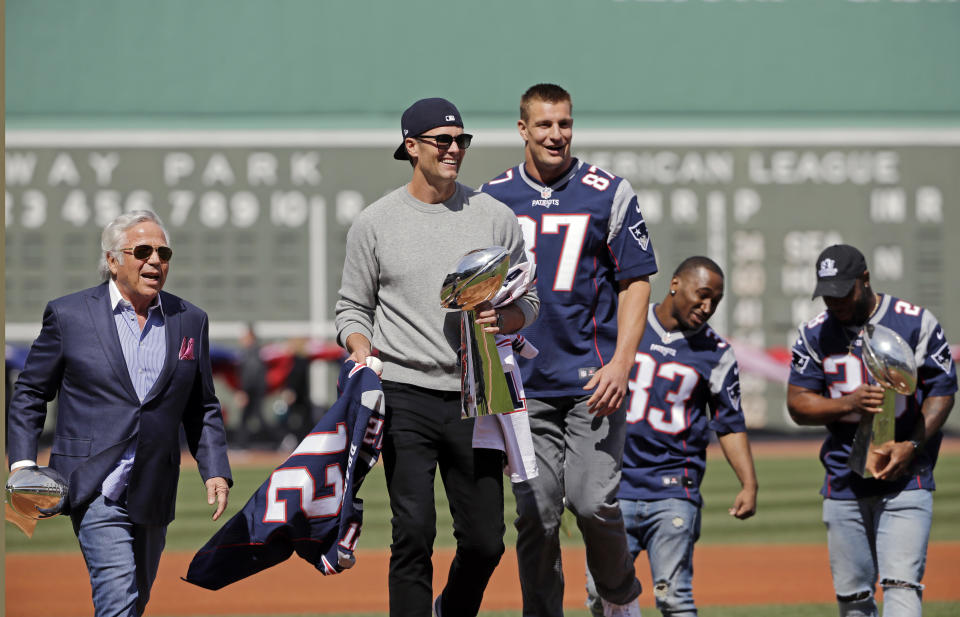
[422,116]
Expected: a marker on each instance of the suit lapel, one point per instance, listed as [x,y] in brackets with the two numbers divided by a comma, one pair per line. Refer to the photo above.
[172,327]
[101,314]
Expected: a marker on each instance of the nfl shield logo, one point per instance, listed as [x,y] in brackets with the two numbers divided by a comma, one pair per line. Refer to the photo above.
[546,192]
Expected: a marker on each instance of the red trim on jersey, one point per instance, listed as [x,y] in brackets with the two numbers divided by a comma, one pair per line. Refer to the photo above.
[593,318]
[613,257]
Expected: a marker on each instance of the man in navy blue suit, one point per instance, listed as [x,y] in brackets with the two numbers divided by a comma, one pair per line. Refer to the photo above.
[129,364]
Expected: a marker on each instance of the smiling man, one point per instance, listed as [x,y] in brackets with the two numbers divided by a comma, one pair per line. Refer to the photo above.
[399,250]
[129,365]
[686,384]
[584,230]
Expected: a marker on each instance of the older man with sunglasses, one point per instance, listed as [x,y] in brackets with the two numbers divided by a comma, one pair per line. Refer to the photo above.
[130,365]
[399,250]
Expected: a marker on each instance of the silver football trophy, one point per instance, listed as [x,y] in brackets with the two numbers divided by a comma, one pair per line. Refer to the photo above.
[475,279]
[33,493]
[891,362]
[36,492]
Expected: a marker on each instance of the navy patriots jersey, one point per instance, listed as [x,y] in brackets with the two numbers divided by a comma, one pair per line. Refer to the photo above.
[584,232]
[827,358]
[684,385]
[309,503]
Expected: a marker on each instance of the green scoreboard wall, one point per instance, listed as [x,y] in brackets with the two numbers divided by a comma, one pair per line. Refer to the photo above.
[337,62]
[258,219]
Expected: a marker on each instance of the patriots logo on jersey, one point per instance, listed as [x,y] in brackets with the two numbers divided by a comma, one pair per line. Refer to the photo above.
[639,232]
[800,361]
[733,391]
[545,203]
[943,358]
[667,351]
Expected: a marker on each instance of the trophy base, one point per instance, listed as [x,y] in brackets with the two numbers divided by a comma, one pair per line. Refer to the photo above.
[485,390]
[873,431]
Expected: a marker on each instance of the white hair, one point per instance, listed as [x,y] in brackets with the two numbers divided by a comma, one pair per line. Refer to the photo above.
[115,234]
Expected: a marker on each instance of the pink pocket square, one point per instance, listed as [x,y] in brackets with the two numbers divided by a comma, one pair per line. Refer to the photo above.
[186,349]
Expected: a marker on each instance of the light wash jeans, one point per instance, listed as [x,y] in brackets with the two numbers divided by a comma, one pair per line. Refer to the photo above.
[122,557]
[667,529]
[881,538]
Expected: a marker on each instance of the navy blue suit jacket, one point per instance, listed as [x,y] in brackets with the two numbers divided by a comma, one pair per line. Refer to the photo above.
[78,358]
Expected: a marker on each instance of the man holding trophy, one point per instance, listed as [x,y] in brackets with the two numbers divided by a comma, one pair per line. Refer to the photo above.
[877,372]
[130,367]
[399,251]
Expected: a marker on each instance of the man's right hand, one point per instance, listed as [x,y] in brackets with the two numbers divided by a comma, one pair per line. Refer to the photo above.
[866,399]
[359,347]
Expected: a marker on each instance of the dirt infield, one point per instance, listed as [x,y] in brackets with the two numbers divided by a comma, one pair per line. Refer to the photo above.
[724,575]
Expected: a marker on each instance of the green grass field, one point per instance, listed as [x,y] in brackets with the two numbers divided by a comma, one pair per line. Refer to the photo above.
[788,512]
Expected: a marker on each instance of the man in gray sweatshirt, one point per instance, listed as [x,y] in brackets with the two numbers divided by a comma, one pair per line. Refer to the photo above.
[399,250]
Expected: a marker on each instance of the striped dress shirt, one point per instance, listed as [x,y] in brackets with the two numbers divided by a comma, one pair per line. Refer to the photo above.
[144,352]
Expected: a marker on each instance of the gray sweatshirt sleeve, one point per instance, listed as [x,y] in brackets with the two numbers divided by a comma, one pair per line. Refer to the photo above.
[357,302]
[529,303]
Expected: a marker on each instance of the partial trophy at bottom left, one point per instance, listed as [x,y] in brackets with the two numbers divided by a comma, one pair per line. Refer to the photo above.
[34,493]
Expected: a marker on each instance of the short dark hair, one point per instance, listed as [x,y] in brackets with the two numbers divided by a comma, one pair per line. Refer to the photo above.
[548,93]
[698,261]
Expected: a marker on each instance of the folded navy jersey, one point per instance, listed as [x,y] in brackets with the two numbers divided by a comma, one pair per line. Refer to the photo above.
[309,504]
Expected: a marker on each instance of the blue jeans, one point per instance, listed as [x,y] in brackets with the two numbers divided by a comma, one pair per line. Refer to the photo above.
[122,557]
[667,529]
[881,537]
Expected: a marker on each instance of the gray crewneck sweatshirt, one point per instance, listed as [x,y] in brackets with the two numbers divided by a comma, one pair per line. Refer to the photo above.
[399,250]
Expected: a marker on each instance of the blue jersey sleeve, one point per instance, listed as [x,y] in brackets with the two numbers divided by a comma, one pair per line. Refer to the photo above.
[631,248]
[805,368]
[726,413]
[936,374]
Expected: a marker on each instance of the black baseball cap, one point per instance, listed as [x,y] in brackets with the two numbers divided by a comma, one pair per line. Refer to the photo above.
[838,266]
[422,116]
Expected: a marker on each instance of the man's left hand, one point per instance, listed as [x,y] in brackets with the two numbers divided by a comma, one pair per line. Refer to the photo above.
[217,492]
[610,382]
[745,504]
[893,459]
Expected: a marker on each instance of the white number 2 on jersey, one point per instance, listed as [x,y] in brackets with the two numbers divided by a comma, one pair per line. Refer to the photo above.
[647,370]
[300,479]
[576,232]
